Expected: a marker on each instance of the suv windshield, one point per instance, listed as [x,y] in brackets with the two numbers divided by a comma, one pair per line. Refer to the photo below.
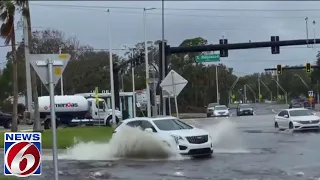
[212,104]
[301,113]
[171,124]
[220,108]
[245,106]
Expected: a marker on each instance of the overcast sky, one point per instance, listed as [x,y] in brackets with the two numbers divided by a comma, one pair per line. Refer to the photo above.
[90,25]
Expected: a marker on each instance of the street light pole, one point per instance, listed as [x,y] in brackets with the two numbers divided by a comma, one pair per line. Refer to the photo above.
[133,87]
[259,88]
[163,60]
[61,80]
[111,72]
[147,60]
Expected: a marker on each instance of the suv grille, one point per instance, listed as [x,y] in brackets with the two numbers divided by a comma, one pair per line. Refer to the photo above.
[310,122]
[197,139]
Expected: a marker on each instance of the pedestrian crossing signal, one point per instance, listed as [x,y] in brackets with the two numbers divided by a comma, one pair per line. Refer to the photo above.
[279,69]
[308,67]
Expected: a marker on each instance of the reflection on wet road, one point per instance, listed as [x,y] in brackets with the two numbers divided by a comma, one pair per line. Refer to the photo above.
[247,147]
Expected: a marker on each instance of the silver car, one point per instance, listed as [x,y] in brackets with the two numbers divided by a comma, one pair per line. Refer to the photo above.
[210,109]
[220,111]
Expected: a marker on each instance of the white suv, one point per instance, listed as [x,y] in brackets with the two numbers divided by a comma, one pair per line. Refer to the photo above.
[187,139]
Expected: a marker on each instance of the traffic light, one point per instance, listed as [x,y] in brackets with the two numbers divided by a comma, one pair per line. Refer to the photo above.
[223,52]
[308,68]
[275,49]
[279,69]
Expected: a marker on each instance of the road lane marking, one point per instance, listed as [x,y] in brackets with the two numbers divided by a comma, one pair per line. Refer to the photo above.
[274,111]
[255,112]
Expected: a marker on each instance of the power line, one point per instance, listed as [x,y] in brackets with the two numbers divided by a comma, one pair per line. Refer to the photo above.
[84,7]
[173,9]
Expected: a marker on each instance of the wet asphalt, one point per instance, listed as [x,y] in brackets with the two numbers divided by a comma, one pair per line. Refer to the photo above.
[266,154]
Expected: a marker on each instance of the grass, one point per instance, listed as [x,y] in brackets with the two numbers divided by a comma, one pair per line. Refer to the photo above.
[8,178]
[66,136]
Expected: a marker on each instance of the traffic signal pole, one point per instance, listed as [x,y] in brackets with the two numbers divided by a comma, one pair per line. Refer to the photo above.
[167,51]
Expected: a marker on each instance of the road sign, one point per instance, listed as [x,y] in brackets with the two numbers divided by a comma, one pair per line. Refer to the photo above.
[208,58]
[260,96]
[40,63]
[233,96]
[279,97]
[310,93]
[310,99]
[96,95]
[173,81]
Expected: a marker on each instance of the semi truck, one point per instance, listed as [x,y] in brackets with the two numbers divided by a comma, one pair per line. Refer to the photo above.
[73,110]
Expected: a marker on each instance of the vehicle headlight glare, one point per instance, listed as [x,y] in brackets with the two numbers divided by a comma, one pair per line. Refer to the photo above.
[177,138]
[166,143]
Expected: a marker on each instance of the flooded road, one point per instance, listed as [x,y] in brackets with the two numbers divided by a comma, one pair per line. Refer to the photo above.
[246,148]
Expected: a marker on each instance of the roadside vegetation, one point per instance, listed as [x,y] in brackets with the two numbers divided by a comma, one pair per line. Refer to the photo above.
[67,137]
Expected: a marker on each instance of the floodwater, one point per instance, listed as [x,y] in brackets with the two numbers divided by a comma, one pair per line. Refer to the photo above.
[246,148]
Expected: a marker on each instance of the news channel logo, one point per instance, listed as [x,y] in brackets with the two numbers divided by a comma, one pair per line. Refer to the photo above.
[22,154]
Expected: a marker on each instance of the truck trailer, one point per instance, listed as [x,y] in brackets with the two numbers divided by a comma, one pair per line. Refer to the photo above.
[73,110]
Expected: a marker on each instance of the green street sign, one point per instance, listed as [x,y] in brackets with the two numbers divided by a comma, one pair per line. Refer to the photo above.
[208,58]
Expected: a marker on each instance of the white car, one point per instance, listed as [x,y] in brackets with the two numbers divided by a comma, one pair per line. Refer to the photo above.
[188,140]
[220,111]
[297,119]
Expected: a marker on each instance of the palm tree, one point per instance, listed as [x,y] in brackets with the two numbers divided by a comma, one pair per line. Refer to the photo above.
[7,16]
[24,6]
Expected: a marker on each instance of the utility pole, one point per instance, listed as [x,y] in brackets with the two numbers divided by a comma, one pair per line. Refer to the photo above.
[318,92]
[27,63]
[217,85]
[245,93]
[155,111]
[61,80]
[259,88]
[277,76]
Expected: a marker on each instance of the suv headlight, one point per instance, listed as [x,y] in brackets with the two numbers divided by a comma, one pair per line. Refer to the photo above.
[166,143]
[177,138]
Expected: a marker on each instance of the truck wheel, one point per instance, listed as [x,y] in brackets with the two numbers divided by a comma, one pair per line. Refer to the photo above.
[47,124]
[109,121]
[7,125]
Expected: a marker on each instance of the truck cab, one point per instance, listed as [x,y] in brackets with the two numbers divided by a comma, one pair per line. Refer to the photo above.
[73,110]
[99,113]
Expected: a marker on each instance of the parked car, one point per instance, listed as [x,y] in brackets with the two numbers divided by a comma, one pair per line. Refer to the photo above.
[5,120]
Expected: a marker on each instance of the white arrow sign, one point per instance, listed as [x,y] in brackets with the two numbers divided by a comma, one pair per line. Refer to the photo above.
[39,63]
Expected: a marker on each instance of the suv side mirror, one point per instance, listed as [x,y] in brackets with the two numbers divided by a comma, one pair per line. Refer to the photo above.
[149,130]
[285,116]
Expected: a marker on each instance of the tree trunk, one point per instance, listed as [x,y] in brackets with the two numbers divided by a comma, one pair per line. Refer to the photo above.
[14,123]
[37,123]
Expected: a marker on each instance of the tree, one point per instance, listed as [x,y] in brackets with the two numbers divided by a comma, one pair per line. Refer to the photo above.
[7,32]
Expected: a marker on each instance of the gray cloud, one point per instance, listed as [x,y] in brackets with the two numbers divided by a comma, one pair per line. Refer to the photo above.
[91,26]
